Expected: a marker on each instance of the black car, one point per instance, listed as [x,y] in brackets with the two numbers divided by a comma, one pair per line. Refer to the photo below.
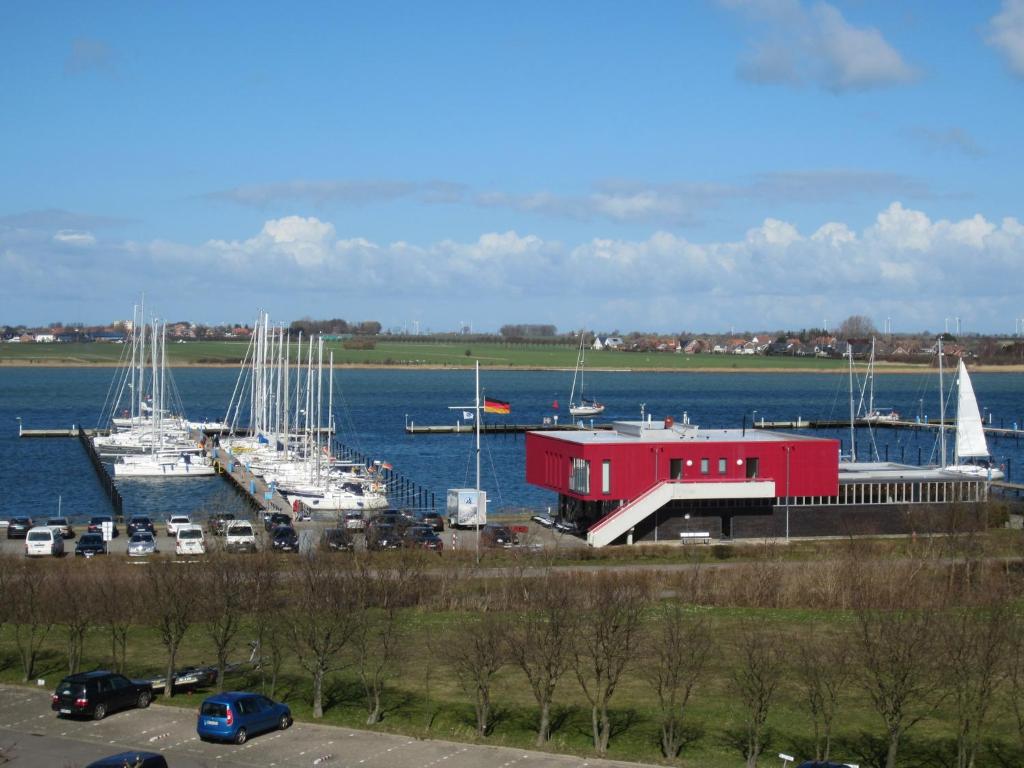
[337,540]
[422,537]
[397,520]
[270,522]
[383,536]
[91,544]
[98,693]
[18,527]
[497,536]
[131,760]
[434,519]
[139,523]
[218,523]
[284,539]
[96,524]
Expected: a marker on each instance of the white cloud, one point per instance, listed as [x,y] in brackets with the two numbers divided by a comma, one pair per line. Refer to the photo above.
[794,44]
[1006,34]
[771,276]
[70,237]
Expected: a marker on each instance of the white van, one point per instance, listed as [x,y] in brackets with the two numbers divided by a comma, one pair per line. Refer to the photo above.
[43,540]
[189,540]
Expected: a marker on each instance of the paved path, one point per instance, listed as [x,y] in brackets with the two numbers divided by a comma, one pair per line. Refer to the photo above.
[31,735]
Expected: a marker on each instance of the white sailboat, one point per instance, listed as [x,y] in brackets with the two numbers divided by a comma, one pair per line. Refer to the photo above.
[584,407]
[971,456]
[867,411]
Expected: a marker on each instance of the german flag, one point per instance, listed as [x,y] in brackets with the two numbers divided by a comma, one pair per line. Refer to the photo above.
[496,406]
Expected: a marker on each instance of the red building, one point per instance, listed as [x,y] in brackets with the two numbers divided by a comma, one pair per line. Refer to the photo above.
[662,481]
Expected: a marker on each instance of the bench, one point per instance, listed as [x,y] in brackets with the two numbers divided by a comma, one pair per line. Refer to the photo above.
[695,537]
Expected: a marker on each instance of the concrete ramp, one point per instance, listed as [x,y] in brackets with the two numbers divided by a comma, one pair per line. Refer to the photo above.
[618,523]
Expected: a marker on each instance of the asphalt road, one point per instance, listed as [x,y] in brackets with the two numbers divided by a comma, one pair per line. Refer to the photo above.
[32,736]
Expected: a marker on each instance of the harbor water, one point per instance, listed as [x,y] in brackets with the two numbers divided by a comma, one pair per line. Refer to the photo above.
[372,408]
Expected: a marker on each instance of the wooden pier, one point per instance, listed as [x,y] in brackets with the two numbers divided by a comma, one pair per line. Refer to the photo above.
[1004,432]
[101,472]
[491,429]
[73,432]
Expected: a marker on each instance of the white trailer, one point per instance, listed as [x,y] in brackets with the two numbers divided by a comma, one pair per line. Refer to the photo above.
[467,507]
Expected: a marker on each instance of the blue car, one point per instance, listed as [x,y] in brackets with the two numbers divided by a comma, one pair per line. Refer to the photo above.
[235,716]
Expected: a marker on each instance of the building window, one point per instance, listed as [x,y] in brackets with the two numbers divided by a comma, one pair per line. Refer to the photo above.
[705,466]
[752,467]
[722,464]
[675,469]
[579,476]
[606,476]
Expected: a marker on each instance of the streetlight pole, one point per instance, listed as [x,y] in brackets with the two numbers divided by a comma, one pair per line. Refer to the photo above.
[788,449]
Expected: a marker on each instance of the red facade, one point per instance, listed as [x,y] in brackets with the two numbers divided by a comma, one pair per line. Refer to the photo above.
[623,466]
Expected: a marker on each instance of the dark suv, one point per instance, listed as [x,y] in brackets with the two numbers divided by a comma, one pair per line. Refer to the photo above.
[337,540]
[96,694]
[218,523]
[18,527]
[497,536]
[271,521]
[139,523]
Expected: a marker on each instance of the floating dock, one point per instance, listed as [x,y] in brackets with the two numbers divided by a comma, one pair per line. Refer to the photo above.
[1005,432]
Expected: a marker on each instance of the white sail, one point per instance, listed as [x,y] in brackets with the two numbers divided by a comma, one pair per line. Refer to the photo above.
[970,434]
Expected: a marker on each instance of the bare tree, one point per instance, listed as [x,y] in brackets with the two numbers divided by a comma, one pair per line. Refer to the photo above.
[382,589]
[973,641]
[118,601]
[320,618]
[895,650]
[77,615]
[856,327]
[269,616]
[477,654]
[610,616]
[31,611]
[224,586]
[755,678]
[676,652]
[540,638]
[174,593]
[822,670]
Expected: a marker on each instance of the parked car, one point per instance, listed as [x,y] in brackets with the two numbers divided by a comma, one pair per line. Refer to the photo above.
[141,544]
[337,540]
[271,521]
[90,544]
[235,716]
[42,540]
[239,536]
[284,539]
[18,527]
[96,524]
[434,519]
[354,520]
[98,693]
[64,525]
[422,537]
[217,523]
[138,523]
[130,760]
[189,540]
[174,522]
[383,536]
[568,526]
[492,535]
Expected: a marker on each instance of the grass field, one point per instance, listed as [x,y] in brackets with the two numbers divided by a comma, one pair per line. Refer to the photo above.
[427,354]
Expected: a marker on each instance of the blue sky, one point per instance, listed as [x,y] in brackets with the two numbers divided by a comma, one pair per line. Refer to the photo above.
[754,164]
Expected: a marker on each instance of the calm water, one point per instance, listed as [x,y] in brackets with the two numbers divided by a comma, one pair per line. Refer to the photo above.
[372,408]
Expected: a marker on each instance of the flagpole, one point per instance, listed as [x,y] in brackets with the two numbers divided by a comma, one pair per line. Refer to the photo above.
[478,418]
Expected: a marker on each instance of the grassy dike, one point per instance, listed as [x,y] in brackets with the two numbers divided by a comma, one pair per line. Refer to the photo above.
[790,595]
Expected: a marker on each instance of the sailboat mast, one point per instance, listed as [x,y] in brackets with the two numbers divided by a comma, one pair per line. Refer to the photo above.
[478,419]
[853,428]
[871,379]
[942,412]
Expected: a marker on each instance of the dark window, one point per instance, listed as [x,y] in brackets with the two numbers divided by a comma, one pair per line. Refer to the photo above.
[752,467]
[214,709]
[118,682]
[675,469]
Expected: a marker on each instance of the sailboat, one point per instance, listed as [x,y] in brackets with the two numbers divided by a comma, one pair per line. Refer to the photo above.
[872,414]
[971,456]
[584,407]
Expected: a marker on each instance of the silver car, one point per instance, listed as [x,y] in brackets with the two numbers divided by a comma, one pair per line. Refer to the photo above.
[141,544]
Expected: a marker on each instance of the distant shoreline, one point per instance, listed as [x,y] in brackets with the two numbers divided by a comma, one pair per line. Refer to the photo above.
[880,369]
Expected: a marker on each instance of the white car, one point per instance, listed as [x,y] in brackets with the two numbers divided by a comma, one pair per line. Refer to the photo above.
[189,540]
[44,541]
[174,522]
[239,536]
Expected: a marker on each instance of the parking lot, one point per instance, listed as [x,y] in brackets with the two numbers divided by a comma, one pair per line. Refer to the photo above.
[31,735]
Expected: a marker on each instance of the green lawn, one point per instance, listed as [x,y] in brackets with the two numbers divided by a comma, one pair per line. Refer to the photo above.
[411,354]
